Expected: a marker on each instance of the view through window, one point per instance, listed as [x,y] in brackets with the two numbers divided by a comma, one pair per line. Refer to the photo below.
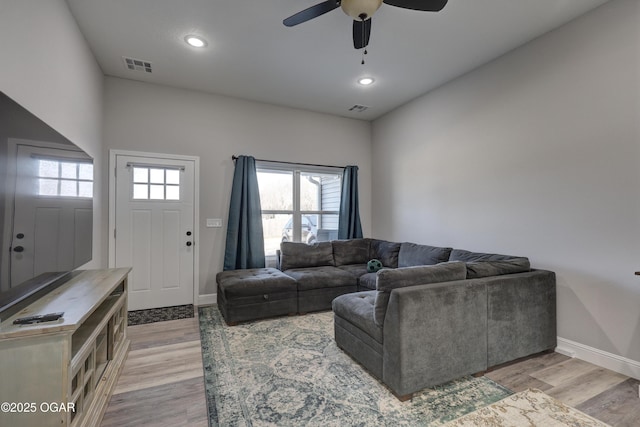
[298,204]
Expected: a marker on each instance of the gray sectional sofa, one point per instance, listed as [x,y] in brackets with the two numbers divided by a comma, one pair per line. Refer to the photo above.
[432,314]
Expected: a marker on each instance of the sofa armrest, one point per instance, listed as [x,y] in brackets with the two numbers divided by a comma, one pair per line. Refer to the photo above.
[434,333]
[521,316]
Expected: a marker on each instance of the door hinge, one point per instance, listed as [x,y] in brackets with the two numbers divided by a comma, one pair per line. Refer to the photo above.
[115,172]
[114,233]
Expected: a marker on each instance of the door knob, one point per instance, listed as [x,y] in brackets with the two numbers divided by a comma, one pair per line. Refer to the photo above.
[18,249]
[189,243]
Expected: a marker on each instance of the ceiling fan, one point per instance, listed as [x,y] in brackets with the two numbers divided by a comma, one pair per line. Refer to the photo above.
[361,11]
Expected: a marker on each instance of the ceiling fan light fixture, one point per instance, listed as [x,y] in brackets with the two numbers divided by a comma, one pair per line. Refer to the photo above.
[366,81]
[360,10]
[195,41]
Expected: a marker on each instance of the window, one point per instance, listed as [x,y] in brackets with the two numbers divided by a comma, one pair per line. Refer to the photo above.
[151,183]
[64,178]
[298,204]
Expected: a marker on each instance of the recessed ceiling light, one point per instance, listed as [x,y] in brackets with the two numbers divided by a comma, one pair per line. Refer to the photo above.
[195,41]
[366,81]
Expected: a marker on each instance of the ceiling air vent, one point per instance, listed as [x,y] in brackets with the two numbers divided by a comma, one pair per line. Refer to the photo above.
[358,108]
[137,64]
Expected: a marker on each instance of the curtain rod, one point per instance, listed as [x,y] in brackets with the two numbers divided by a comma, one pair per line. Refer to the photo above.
[234,157]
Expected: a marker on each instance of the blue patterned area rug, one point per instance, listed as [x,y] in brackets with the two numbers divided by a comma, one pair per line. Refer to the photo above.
[288,371]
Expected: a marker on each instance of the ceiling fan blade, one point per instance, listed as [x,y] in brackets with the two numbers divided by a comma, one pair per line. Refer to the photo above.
[312,12]
[361,33]
[425,5]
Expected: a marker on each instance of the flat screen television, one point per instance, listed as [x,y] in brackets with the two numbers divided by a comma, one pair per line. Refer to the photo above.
[46,207]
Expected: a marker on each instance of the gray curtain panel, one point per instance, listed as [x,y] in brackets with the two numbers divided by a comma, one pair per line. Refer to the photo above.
[349,226]
[245,240]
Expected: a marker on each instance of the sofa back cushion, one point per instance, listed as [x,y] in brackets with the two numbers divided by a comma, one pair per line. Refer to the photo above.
[301,255]
[385,252]
[413,254]
[348,252]
[485,265]
[388,280]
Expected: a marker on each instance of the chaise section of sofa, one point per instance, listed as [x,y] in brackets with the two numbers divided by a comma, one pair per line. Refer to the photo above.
[427,325]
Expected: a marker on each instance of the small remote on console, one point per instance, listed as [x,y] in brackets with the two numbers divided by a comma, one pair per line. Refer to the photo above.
[49,317]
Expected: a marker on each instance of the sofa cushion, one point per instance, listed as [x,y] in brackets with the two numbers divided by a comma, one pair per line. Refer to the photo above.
[386,252]
[357,309]
[388,280]
[368,281]
[257,281]
[321,277]
[301,255]
[413,254]
[354,251]
[356,269]
[486,265]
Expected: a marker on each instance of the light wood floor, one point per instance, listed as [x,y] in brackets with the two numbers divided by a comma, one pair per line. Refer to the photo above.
[162,381]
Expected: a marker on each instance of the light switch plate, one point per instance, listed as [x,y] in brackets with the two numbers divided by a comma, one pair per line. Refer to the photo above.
[214,222]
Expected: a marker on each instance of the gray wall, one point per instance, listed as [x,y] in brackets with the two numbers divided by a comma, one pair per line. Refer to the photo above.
[49,70]
[537,154]
[153,118]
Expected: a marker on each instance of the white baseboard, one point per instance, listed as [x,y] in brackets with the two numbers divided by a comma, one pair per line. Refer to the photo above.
[611,361]
[207,299]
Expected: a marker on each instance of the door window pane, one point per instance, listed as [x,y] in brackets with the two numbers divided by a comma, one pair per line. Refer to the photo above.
[173,192]
[156,192]
[173,176]
[68,170]
[156,183]
[48,169]
[85,189]
[48,187]
[68,188]
[85,171]
[140,191]
[63,178]
[140,175]
[156,176]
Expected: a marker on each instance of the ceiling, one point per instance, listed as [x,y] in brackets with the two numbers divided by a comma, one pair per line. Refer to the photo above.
[313,66]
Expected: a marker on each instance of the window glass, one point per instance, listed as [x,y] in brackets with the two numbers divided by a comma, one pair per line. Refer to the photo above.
[68,188]
[140,191]
[48,169]
[156,176]
[276,189]
[140,175]
[173,192]
[85,171]
[173,176]
[48,187]
[298,205]
[276,229]
[156,183]
[64,178]
[68,170]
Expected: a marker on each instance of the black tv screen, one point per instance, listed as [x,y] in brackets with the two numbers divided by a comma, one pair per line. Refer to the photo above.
[46,206]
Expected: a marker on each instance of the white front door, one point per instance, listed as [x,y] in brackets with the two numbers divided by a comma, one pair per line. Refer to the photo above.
[53,206]
[154,229]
